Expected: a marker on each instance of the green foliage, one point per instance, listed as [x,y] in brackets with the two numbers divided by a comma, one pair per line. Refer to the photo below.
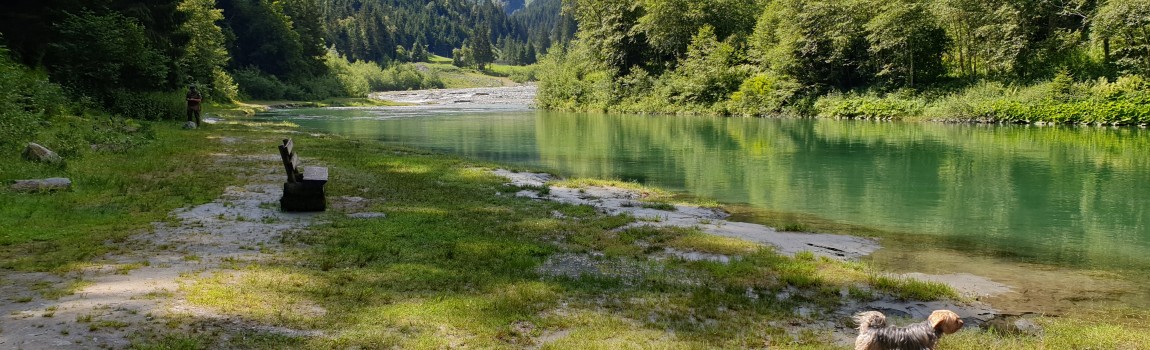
[482,53]
[869,106]
[1059,101]
[670,25]
[1125,28]
[673,56]
[710,72]
[98,53]
[148,105]
[360,78]
[820,44]
[205,57]
[912,289]
[573,79]
[27,101]
[764,94]
[419,51]
[607,34]
[906,43]
[518,74]
[255,84]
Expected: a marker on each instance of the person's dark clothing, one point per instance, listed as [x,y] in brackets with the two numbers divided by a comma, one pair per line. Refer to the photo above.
[194,99]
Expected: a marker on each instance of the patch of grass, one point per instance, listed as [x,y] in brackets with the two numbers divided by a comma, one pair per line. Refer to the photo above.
[707,243]
[454,77]
[103,324]
[115,195]
[124,269]
[912,289]
[1122,328]
[794,227]
[658,206]
[543,190]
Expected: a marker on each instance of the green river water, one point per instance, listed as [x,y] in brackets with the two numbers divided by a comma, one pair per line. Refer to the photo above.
[1060,214]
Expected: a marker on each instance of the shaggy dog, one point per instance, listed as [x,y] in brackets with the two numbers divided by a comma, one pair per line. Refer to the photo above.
[875,335]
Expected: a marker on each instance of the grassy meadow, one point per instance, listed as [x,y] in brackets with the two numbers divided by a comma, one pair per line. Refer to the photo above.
[459,260]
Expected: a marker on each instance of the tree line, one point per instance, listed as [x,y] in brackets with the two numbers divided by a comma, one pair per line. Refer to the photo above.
[770,56]
[111,52]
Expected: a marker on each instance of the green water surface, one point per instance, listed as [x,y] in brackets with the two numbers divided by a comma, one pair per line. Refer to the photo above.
[1066,196]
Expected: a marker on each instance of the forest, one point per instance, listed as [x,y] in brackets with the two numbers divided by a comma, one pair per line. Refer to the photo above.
[1024,61]
[134,59]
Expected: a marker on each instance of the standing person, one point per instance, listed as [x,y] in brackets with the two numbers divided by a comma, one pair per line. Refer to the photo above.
[194,99]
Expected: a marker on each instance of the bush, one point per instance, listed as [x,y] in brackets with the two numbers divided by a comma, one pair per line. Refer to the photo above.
[149,105]
[574,80]
[1125,101]
[869,106]
[764,94]
[27,101]
[257,85]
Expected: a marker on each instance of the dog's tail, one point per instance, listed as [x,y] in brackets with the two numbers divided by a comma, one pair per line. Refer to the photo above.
[870,319]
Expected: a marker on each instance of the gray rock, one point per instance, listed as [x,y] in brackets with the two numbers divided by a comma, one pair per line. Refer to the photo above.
[37,153]
[42,185]
[1015,325]
[190,125]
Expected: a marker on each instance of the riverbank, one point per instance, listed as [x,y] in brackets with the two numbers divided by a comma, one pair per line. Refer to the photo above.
[185,248]
[521,95]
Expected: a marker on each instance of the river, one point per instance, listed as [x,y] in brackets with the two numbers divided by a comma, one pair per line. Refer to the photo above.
[1060,214]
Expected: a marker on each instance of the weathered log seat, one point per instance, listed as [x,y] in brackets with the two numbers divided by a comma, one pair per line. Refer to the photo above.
[303,190]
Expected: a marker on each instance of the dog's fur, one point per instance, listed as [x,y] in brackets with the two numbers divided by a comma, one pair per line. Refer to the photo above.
[875,335]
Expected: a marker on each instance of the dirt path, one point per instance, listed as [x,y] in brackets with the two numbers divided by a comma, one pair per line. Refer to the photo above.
[127,293]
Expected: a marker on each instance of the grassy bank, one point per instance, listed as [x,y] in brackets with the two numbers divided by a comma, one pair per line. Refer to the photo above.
[458,260]
[1059,101]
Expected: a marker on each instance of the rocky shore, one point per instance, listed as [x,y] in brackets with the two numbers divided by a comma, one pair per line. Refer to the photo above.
[615,201]
[511,95]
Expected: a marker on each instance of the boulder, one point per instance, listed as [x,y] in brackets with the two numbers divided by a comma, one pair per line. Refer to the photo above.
[37,153]
[42,185]
[190,125]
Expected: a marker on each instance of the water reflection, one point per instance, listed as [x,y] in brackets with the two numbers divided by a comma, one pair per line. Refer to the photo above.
[1067,196]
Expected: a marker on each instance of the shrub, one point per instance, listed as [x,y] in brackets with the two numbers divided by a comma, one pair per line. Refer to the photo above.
[869,106]
[27,100]
[148,105]
[255,84]
[764,94]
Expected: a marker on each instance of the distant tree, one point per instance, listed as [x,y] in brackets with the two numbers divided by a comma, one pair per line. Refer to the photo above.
[529,56]
[205,57]
[401,54]
[605,27]
[669,25]
[419,51]
[462,57]
[99,53]
[710,72]
[818,43]
[1125,26]
[481,50]
[906,43]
